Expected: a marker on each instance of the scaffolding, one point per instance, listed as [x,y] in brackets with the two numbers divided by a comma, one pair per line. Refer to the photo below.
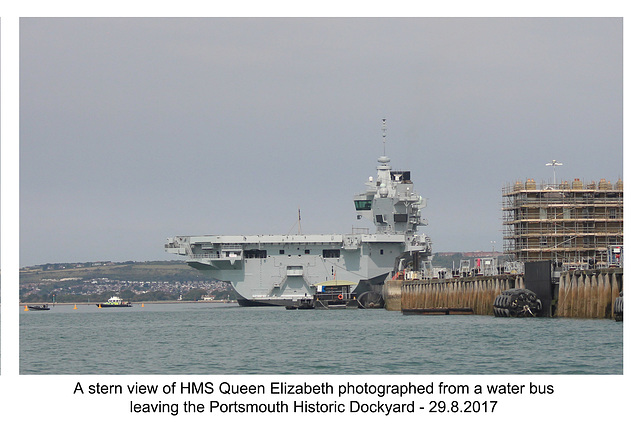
[573,224]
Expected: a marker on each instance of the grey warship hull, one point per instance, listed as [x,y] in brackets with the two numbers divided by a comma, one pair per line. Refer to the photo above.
[281,269]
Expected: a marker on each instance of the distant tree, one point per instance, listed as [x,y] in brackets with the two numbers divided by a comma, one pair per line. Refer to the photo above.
[194,294]
[127,295]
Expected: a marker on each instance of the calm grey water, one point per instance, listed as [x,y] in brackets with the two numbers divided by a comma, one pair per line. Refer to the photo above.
[227,339]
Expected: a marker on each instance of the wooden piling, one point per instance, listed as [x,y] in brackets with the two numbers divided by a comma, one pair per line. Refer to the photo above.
[615,292]
[456,295]
[601,302]
[589,293]
[593,298]
[586,293]
[561,296]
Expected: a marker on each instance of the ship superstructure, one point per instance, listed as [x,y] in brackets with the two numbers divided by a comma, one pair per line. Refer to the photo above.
[286,269]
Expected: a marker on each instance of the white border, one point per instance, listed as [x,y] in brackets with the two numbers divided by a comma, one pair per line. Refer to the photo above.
[586,400]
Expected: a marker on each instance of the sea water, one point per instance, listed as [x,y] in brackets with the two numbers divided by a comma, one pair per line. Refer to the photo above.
[225,339]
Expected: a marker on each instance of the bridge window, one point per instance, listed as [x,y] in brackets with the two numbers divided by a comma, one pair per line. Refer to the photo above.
[363,205]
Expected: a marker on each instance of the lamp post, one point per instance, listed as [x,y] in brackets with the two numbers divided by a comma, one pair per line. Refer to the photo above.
[554,163]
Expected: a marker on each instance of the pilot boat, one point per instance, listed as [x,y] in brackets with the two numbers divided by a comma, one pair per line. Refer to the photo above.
[114,301]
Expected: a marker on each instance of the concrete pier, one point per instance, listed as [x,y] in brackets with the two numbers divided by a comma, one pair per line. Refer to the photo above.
[476,293]
[579,294]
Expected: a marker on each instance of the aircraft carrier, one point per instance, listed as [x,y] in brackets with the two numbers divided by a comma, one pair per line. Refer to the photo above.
[296,270]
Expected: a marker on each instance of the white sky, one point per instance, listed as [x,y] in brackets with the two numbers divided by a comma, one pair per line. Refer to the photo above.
[135,130]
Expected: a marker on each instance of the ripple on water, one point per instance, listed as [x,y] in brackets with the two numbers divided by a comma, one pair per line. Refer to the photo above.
[221,339]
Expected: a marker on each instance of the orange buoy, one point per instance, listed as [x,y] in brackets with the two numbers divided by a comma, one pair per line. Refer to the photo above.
[142,305]
[74,307]
[26,308]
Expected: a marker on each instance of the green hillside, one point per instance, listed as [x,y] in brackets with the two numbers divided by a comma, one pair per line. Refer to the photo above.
[160,271]
[134,281]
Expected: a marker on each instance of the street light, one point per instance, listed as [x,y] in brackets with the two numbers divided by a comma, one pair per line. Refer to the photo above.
[554,163]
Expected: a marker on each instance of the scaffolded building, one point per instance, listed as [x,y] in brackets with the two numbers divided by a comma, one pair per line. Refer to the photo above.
[573,224]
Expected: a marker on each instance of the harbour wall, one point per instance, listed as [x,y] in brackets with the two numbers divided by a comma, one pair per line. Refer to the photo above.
[589,293]
[577,294]
[477,293]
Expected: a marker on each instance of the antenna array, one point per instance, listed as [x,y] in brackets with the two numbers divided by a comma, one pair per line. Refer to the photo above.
[384,137]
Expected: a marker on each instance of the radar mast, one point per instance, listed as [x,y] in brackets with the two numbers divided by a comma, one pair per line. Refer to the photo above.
[384,137]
